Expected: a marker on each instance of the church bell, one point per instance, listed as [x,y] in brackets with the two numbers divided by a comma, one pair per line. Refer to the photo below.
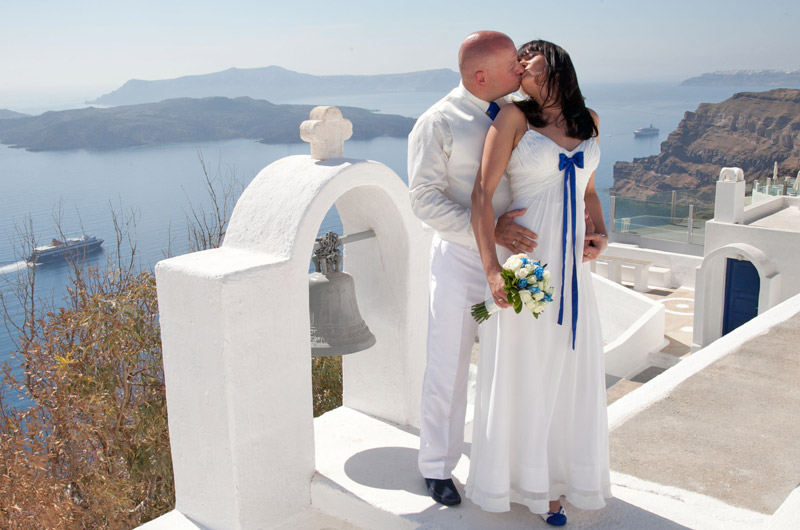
[336,324]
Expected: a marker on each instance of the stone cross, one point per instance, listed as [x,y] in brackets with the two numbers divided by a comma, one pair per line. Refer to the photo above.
[326,131]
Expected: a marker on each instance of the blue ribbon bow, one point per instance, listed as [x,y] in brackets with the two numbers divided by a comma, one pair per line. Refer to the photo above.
[493,109]
[567,164]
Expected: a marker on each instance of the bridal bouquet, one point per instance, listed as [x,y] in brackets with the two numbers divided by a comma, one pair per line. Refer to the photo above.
[527,283]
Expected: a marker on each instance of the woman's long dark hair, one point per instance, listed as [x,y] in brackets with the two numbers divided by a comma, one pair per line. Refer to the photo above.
[561,88]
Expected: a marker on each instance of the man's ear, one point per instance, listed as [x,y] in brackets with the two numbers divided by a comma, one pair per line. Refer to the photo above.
[480,78]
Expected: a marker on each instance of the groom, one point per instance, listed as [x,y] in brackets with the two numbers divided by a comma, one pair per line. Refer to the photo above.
[444,152]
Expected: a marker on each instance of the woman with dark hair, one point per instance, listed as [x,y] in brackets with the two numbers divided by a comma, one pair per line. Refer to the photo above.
[540,430]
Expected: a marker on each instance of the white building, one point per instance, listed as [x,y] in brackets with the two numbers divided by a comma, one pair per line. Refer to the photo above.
[750,261]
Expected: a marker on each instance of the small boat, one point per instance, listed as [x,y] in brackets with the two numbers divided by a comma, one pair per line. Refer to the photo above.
[646,131]
[71,247]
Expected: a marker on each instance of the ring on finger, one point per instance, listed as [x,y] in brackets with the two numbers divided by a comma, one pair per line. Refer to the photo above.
[514,243]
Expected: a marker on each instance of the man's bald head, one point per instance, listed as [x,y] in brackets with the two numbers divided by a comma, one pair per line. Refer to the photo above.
[484,61]
[478,48]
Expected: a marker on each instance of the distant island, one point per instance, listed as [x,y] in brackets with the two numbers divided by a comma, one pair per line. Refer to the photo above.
[276,84]
[747,78]
[182,120]
[751,130]
[6,114]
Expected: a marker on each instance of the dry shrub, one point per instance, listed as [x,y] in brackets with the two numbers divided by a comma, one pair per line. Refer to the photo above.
[326,383]
[92,448]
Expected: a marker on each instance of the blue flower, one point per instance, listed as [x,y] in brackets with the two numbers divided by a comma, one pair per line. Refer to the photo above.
[533,289]
[548,297]
[522,283]
[525,262]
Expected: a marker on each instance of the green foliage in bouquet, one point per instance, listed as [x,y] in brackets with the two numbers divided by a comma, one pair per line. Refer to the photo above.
[512,297]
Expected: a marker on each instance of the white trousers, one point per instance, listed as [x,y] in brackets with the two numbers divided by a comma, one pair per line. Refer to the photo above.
[457,282]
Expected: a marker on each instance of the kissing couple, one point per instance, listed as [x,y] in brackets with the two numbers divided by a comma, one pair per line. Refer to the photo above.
[497,174]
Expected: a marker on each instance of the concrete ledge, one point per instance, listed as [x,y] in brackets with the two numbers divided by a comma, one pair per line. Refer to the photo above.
[308,520]
[633,326]
[173,520]
[668,269]
[661,386]
[640,269]
[788,515]
[685,509]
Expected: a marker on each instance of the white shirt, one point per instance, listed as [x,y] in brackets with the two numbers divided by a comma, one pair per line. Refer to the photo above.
[444,153]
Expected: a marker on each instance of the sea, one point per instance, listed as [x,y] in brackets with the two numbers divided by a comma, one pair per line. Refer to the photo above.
[154,188]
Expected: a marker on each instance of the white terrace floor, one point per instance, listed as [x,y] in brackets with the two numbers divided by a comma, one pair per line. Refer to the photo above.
[709,443]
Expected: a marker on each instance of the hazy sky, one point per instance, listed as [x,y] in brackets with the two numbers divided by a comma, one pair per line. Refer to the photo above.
[95,46]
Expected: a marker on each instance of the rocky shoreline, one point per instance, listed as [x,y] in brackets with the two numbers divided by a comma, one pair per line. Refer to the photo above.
[750,130]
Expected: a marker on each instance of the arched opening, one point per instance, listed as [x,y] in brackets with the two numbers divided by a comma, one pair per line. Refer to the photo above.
[326,370]
[751,280]
[379,270]
[742,286]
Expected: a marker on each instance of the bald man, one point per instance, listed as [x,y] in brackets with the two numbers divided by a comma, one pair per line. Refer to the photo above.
[444,152]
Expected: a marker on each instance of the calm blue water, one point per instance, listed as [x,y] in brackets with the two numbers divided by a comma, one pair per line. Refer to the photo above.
[157,184]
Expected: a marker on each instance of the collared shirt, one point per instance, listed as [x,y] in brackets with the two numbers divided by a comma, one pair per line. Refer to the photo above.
[444,153]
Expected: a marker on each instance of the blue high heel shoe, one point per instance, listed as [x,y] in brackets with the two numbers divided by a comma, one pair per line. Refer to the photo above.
[558,518]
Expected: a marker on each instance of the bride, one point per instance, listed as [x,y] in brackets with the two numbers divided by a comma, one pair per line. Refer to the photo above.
[540,430]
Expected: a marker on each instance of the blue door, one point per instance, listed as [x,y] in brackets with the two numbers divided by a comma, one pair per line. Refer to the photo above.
[741,294]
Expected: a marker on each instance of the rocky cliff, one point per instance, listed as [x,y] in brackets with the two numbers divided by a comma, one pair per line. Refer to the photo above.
[751,130]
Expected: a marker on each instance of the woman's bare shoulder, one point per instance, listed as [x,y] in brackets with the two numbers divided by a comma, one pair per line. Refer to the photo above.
[511,111]
[510,117]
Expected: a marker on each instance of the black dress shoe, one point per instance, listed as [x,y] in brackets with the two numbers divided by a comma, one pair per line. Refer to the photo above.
[443,491]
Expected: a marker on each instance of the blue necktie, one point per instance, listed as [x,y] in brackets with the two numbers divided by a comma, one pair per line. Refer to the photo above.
[493,109]
[567,164]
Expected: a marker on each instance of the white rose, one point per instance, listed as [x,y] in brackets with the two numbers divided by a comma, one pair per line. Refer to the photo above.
[527,299]
[546,275]
[513,263]
[523,273]
[538,296]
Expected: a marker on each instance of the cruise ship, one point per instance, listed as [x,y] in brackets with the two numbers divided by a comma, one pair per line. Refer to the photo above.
[74,246]
[646,131]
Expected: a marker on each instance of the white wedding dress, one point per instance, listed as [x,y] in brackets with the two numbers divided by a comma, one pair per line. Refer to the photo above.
[540,428]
